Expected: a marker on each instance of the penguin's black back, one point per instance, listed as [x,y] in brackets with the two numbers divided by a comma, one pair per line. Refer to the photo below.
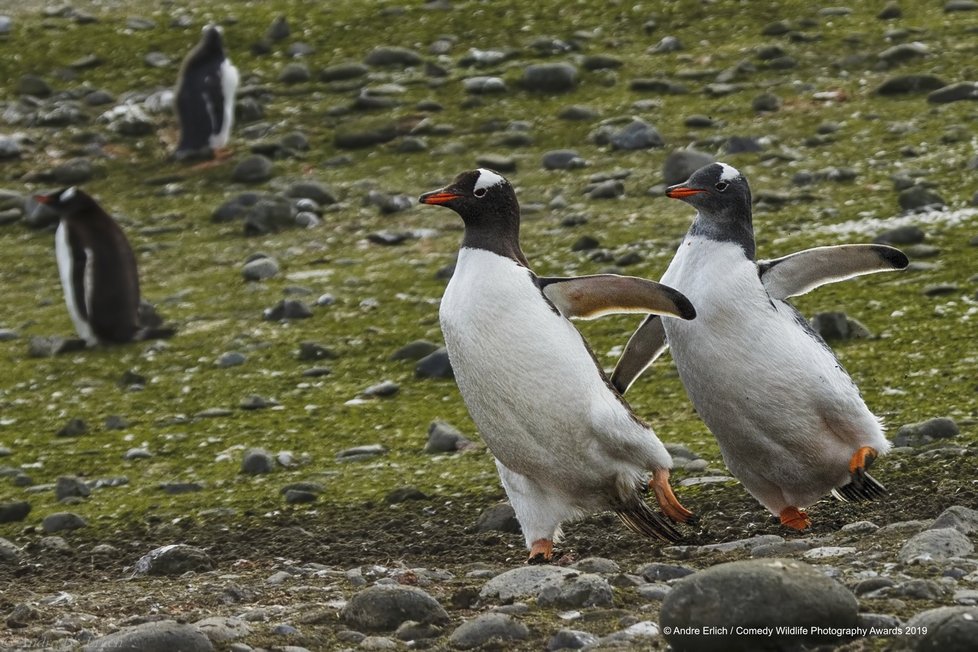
[200,95]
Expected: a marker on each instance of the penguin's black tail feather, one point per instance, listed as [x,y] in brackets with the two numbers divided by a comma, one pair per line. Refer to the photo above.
[642,519]
[862,488]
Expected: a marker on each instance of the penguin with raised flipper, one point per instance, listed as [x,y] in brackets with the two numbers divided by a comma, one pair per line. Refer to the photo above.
[789,420]
[98,272]
[565,442]
[204,99]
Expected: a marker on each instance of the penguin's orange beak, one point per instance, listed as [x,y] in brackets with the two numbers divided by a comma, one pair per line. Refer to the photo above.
[43,199]
[680,191]
[438,197]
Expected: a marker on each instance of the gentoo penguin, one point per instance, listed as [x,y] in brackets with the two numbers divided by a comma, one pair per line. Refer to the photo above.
[98,269]
[565,442]
[789,420]
[205,98]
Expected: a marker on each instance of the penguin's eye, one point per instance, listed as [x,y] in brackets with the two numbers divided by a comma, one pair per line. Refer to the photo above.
[721,186]
[479,192]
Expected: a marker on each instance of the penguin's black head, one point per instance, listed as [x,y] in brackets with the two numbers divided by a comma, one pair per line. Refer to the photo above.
[69,201]
[721,196]
[211,41]
[716,189]
[487,204]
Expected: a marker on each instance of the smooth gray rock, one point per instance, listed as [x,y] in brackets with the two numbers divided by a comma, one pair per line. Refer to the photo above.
[960,5]
[445,438]
[223,629]
[231,359]
[384,607]
[434,365]
[415,350]
[550,77]
[756,593]
[62,521]
[343,72]
[14,511]
[597,565]
[901,235]
[294,73]
[393,56]
[159,636]
[524,582]
[314,190]
[498,518]
[497,628]
[636,135]
[948,629]
[961,518]
[607,189]
[70,486]
[967,90]
[936,545]
[658,572]
[681,164]
[257,461]
[563,159]
[570,639]
[72,172]
[9,553]
[287,309]
[34,86]
[254,169]
[484,85]
[174,559]
[925,432]
[585,590]
[838,326]
[919,197]
[907,84]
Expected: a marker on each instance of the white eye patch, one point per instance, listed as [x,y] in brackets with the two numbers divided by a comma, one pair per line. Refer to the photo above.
[729,172]
[487,179]
[68,194]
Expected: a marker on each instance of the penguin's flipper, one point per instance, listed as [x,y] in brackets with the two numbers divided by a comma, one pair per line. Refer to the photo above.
[803,271]
[645,345]
[588,297]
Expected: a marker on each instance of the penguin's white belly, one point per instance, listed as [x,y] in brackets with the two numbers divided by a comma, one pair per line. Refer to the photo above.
[63,253]
[529,382]
[782,409]
[229,86]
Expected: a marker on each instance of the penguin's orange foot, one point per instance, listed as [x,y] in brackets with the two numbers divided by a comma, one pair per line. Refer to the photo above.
[795,518]
[223,153]
[541,552]
[667,500]
[861,460]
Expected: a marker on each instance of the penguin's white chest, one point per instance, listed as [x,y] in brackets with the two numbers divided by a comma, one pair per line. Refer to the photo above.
[525,375]
[76,298]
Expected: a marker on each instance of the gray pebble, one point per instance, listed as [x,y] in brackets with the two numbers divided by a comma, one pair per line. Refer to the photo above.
[414,350]
[158,636]
[498,518]
[434,365]
[496,627]
[756,593]
[444,438]
[231,358]
[963,519]
[254,169]
[257,461]
[925,432]
[174,559]
[383,389]
[62,521]
[260,269]
[9,553]
[360,453]
[585,590]
[385,607]
[936,545]
[948,628]
[549,77]
[69,486]
[14,511]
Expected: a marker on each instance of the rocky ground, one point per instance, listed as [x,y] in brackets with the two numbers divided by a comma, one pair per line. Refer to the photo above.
[295,469]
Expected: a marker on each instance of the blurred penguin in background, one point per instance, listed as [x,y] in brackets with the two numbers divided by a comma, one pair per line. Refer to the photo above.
[98,273]
[205,99]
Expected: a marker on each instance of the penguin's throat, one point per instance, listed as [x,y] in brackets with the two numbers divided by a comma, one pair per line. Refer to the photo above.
[739,231]
[503,240]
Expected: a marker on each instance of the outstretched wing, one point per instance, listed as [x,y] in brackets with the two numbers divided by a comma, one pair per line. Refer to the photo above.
[588,297]
[803,271]
[645,345]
